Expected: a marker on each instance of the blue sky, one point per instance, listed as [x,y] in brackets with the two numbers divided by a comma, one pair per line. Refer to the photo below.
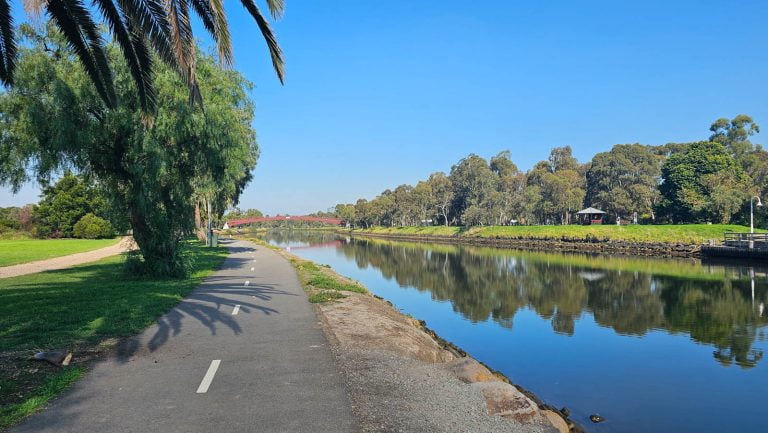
[380,93]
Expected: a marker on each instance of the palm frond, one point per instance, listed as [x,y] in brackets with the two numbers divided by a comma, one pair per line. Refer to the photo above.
[222,30]
[211,13]
[96,43]
[139,67]
[274,49]
[151,18]
[276,8]
[72,18]
[7,44]
[34,7]
[183,44]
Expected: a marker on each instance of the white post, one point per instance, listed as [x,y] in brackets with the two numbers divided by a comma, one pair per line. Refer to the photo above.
[752,219]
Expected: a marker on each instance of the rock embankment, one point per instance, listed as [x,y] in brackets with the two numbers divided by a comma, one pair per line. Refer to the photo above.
[655,249]
[400,378]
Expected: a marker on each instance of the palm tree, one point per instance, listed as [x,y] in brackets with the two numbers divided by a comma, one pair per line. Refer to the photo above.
[138,27]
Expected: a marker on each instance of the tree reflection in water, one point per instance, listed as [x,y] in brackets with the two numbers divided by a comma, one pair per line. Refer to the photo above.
[714,305]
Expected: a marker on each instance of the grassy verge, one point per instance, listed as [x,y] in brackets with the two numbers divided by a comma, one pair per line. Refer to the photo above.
[83,309]
[320,282]
[13,252]
[10,234]
[676,234]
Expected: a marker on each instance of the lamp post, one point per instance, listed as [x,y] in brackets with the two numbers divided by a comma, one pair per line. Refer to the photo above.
[751,213]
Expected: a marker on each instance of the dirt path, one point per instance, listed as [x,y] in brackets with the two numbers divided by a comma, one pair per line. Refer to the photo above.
[125,244]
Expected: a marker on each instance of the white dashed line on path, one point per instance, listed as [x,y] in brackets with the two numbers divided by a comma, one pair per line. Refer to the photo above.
[208,378]
[236,310]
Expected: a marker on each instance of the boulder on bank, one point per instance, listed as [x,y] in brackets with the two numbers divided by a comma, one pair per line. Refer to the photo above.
[557,421]
[506,401]
[470,371]
[363,321]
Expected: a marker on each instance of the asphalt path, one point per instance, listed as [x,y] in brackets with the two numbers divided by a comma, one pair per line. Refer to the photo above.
[243,353]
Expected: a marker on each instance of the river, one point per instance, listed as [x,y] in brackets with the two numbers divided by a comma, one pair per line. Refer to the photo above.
[652,345]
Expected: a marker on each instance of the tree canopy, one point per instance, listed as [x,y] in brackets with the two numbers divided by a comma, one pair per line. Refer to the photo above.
[704,183]
[53,118]
[676,182]
[144,31]
[63,204]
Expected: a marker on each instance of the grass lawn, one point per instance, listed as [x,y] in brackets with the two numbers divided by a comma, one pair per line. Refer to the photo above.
[13,252]
[77,309]
[686,233]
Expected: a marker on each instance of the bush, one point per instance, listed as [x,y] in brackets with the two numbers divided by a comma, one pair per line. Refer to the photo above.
[92,227]
[9,224]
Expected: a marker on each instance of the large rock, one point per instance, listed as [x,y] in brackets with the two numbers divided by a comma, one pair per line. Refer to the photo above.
[503,399]
[556,421]
[362,321]
[470,371]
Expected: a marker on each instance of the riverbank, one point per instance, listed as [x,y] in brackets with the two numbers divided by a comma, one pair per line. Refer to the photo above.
[641,240]
[393,364]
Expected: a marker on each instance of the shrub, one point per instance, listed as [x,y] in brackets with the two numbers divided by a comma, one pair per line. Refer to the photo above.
[92,227]
[9,224]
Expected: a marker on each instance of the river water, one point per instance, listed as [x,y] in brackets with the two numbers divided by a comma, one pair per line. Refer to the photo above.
[653,345]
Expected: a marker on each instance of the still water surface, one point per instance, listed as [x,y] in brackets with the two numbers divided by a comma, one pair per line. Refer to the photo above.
[652,345]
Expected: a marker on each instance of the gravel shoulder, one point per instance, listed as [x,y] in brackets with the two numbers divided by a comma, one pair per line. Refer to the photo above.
[400,379]
[125,244]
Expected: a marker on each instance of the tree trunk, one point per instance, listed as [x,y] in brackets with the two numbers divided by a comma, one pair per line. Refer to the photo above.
[199,232]
[157,246]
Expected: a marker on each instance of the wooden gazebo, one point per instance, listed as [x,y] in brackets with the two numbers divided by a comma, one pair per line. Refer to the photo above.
[591,215]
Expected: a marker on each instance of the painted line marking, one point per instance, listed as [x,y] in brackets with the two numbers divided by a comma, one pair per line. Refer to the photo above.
[247,282]
[236,310]
[208,378]
[253,269]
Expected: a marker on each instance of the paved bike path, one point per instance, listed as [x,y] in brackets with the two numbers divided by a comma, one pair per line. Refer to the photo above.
[248,332]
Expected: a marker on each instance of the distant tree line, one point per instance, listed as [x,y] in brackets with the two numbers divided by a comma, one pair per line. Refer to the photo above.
[705,181]
[72,207]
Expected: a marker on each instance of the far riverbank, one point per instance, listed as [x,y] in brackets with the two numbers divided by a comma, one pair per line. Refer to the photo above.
[640,240]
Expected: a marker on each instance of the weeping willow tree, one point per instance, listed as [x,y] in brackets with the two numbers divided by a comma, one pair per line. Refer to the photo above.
[54,118]
[139,28]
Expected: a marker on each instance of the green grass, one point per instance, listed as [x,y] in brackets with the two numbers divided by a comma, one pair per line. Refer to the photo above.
[13,252]
[56,383]
[77,309]
[327,282]
[325,296]
[683,234]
